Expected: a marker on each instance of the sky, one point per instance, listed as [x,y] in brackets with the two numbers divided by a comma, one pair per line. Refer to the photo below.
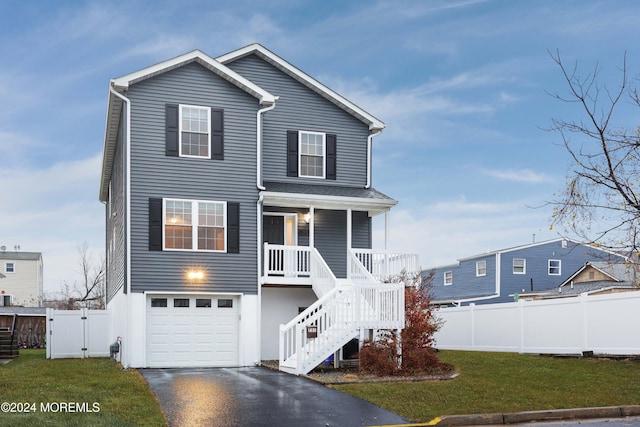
[463,86]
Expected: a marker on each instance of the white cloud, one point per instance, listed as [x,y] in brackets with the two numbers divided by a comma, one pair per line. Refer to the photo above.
[445,231]
[519,175]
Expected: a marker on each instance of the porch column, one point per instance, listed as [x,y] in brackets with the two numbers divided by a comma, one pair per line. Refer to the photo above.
[386,240]
[311,226]
[349,243]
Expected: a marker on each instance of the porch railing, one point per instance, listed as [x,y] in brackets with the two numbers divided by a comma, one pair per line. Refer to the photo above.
[385,264]
[287,261]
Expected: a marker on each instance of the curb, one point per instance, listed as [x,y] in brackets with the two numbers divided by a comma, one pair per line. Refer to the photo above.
[531,416]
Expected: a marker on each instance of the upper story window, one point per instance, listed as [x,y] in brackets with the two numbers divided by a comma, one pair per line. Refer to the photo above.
[194,225]
[9,267]
[312,154]
[194,131]
[481,268]
[448,278]
[519,266]
[555,267]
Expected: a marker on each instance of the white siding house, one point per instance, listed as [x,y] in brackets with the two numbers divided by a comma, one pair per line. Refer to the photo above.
[20,278]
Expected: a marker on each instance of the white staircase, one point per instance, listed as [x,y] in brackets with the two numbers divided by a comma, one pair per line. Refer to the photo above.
[344,307]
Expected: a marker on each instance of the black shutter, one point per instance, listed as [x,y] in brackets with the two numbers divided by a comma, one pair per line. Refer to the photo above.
[155,224]
[331,156]
[292,153]
[233,227]
[172,129]
[217,134]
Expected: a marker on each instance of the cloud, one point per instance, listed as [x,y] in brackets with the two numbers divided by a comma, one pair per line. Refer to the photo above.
[444,231]
[519,175]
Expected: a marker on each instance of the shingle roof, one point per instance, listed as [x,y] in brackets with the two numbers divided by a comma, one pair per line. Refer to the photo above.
[16,255]
[24,311]
[326,190]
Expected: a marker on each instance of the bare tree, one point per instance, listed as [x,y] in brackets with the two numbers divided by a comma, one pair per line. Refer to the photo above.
[91,288]
[601,201]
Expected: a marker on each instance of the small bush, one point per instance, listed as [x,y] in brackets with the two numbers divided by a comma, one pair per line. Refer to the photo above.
[381,357]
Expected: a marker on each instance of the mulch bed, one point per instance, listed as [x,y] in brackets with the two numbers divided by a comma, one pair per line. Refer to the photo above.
[350,375]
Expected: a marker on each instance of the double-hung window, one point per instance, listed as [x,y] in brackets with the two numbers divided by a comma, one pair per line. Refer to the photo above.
[9,267]
[555,267]
[448,278]
[195,131]
[519,266]
[481,268]
[312,154]
[195,225]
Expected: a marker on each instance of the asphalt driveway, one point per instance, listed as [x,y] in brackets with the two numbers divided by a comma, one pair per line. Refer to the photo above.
[256,397]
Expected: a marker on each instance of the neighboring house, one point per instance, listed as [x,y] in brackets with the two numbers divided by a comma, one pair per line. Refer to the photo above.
[238,198]
[593,278]
[500,276]
[20,278]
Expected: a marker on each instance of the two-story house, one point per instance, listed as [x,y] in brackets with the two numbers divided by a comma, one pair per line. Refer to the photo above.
[239,211]
[20,278]
[501,276]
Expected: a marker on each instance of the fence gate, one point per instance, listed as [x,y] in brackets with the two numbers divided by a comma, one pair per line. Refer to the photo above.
[77,333]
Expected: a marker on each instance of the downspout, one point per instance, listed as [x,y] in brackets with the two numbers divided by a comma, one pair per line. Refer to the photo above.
[127,219]
[259,144]
[260,255]
[369,139]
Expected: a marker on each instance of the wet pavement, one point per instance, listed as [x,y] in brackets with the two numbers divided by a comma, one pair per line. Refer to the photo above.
[228,397]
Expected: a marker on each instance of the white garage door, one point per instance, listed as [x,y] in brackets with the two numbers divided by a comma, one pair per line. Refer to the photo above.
[185,330]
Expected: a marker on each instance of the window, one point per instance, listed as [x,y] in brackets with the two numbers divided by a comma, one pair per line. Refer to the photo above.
[194,131]
[158,302]
[448,278]
[203,302]
[225,303]
[9,267]
[312,152]
[481,268]
[6,300]
[181,302]
[554,267]
[519,266]
[194,225]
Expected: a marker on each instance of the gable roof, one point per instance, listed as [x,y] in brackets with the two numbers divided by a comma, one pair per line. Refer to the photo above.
[121,84]
[257,49]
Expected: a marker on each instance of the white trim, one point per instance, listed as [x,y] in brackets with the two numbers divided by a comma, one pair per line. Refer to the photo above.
[524,266]
[478,274]
[122,83]
[450,273]
[305,79]
[292,200]
[324,154]
[13,267]
[180,130]
[194,224]
[559,273]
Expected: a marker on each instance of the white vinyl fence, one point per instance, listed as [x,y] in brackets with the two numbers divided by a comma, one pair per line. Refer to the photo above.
[603,324]
[77,333]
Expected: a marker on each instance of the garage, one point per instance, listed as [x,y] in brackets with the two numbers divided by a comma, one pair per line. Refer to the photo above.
[192,330]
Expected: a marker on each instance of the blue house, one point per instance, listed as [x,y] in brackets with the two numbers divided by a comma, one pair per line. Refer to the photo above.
[239,202]
[501,276]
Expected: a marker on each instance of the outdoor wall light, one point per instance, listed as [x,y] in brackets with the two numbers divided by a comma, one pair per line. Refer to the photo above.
[307,217]
[195,275]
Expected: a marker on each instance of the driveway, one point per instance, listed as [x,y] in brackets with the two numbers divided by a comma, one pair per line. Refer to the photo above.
[256,397]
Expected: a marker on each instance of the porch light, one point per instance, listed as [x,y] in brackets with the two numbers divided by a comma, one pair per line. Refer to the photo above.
[307,217]
[195,275]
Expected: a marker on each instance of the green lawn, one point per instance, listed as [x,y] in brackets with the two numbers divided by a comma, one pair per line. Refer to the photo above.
[508,382]
[122,397]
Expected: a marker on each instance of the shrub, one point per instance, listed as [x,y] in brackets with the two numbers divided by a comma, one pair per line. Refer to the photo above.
[381,357]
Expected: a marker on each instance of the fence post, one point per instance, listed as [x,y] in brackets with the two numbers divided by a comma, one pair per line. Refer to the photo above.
[472,316]
[585,323]
[522,320]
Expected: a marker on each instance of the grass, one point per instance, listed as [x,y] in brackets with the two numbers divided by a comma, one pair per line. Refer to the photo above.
[508,382]
[123,397]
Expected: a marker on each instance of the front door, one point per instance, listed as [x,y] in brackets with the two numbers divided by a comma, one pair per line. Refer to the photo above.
[281,229]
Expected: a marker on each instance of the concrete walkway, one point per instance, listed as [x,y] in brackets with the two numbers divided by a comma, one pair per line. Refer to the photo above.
[257,397]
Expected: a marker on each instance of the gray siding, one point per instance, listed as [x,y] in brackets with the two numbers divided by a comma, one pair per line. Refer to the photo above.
[115,217]
[157,176]
[299,108]
[465,282]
